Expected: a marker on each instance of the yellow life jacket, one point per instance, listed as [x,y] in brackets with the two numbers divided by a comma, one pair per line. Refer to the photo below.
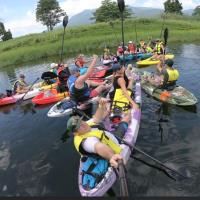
[158,48]
[173,75]
[21,83]
[98,134]
[121,100]
[149,49]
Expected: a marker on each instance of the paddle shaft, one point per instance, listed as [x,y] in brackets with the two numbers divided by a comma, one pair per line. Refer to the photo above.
[122,179]
[61,56]
[152,158]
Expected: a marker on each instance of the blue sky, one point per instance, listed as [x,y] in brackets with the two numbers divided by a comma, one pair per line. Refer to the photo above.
[19,15]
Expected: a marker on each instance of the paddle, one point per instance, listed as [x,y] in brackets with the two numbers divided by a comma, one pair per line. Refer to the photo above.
[65,22]
[20,100]
[122,180]
[121,6]
[152,158]
[162,25]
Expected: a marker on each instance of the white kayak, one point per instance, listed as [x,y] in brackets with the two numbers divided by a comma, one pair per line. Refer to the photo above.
[130,137]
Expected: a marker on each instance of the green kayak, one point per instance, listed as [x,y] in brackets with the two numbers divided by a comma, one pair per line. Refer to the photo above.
[178,96]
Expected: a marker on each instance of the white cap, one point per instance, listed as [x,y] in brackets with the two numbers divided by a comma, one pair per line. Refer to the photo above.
[130,42]
[53,65]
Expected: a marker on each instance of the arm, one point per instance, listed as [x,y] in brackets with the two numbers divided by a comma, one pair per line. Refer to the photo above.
[106,152]
[101,111]
[121,83]
[81,79]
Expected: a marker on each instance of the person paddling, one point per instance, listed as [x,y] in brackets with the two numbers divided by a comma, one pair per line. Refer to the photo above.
[122,86]
[79,85]
[20,86]
[91,140]
[63,75]
[170,75]
[158,50]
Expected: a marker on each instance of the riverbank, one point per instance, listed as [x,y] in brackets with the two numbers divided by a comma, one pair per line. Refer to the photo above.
[93,38]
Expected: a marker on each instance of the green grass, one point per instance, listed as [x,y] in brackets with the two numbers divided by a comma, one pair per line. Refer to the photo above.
[93,38]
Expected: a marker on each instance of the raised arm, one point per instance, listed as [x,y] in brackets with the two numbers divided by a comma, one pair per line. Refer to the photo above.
[81,79]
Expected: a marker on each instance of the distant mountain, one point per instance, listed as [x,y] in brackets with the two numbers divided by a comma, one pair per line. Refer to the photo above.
[139,12]
[146,12]
[81,18]
[188,12]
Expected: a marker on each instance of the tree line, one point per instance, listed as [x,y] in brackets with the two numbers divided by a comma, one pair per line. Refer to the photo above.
[49,13]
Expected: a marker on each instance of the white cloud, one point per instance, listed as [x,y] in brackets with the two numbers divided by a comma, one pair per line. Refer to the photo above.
[24,26]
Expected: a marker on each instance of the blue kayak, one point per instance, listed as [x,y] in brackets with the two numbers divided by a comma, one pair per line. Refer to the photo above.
[140,56]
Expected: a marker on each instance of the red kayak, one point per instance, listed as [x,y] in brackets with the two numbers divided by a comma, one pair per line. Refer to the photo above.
[49,96]
[7,100]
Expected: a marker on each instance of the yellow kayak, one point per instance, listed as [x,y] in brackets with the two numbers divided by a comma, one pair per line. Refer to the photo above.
[42,86]
[153,61]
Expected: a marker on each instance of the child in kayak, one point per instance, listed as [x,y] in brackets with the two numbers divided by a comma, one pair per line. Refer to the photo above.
[20,86]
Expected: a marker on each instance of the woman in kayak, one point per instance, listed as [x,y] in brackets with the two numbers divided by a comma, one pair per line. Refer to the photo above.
[20,86]
[122,86]
[79,85]
[90,140]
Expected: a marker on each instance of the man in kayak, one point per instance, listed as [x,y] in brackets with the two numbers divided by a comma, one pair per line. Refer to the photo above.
[63,75]
[167,77]
[20,86]
[90,140]
[79,85]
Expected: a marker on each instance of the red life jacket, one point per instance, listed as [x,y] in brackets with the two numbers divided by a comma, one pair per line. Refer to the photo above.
[120,49]
[131,48]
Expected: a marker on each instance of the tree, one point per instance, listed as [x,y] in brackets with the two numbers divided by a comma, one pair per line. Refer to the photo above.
[2,29]
[49,13]
[173,6]
[196,11]
[7,35]
[109,11]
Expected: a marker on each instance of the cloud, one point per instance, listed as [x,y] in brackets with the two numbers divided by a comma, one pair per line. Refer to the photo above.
[24,26]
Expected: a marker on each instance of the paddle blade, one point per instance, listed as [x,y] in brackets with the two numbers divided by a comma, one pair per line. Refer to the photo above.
[166,34]
[65,21]
[121,5]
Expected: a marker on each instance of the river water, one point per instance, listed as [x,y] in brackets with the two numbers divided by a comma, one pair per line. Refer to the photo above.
[34,162]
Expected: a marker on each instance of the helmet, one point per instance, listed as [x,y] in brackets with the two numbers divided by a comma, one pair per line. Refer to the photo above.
[53,65]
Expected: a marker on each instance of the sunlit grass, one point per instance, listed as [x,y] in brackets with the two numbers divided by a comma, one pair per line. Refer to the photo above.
[93,38]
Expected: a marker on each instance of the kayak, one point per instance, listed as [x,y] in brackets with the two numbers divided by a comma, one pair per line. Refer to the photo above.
[135,56]
[178,96]
[14,98]
[152,61]
[109,177]
[42,86]
[65,107]
[49,96]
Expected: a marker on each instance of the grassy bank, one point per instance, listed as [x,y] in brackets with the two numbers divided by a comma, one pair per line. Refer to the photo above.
[93,38]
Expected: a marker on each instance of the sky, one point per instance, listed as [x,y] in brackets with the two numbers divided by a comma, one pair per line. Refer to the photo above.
[19,15]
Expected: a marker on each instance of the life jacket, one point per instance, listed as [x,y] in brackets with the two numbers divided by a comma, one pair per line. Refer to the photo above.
[63,75]
[159,50]
[20,82]
[120,49]
[149,49]
[70,82]
[80,95]
[173,75]
[101,135]
[131,48]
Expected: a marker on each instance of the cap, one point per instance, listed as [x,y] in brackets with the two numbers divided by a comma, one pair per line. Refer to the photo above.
[21,76]
[116,67]
[53,65]
[73,123]
[169,62]
[73,69]
[130,42]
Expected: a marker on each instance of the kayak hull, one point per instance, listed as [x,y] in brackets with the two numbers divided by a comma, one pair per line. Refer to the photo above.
[151,61]
[178,96]
[129,137]
[135,56]
[48,97]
